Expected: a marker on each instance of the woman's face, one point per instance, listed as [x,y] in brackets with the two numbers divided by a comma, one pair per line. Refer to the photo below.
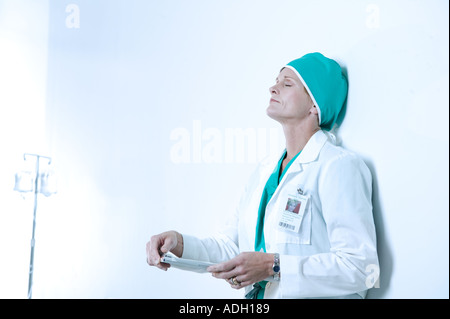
[289,103]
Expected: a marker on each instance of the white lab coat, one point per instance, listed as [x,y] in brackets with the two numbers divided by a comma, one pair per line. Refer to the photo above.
[334,251]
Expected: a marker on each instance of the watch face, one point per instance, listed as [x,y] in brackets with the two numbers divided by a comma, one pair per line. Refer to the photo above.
[276,268]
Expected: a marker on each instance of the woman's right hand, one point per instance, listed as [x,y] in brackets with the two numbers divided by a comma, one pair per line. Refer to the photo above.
[160,244]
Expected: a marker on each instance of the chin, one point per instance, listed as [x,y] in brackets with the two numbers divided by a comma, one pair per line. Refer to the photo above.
[270,113]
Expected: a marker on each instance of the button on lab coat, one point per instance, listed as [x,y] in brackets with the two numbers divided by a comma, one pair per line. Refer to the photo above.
[334,252]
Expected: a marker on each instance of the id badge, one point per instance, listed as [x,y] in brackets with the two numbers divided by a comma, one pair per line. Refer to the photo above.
[292,216]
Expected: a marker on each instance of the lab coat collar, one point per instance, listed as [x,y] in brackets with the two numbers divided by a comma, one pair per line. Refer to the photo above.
[309,153]
[312,149]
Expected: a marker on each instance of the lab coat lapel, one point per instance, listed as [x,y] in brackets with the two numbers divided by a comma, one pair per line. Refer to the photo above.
[309,154]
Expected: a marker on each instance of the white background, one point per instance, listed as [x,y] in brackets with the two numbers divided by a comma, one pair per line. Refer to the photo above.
[116,92]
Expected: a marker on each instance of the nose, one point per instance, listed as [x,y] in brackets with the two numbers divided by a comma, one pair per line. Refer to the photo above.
[273,89]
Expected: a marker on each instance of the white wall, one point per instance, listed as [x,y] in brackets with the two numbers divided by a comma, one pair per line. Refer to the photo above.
[140,100]
[23,82]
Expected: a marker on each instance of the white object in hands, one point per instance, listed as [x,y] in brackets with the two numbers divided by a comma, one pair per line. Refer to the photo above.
[185,264]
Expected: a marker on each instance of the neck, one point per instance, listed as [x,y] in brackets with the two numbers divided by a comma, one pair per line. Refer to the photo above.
[296,138]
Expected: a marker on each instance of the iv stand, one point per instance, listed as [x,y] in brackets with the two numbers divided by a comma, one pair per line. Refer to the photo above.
[38,157]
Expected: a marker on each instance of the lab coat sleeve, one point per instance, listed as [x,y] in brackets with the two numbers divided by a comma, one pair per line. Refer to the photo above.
[345,191]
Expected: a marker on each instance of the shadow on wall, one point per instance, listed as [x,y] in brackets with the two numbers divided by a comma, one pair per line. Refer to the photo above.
[384,251]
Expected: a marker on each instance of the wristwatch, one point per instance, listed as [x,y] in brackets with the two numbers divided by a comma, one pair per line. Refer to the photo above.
[276,267]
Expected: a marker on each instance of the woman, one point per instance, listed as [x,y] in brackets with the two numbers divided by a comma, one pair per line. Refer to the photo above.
[326,247]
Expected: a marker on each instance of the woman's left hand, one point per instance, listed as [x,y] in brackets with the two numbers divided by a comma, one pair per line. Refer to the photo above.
[244,269]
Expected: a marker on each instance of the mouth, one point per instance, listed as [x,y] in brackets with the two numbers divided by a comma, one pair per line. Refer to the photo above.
[274,101]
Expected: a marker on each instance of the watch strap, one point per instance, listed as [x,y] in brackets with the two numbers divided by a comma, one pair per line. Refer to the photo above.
[276,267]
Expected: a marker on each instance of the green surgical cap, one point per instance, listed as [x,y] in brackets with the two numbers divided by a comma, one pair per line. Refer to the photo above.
[326,84]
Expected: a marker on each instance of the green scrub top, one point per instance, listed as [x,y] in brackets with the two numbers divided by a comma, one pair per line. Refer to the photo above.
[269,190]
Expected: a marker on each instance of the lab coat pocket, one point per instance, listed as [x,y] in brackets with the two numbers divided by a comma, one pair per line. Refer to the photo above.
[302,237]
